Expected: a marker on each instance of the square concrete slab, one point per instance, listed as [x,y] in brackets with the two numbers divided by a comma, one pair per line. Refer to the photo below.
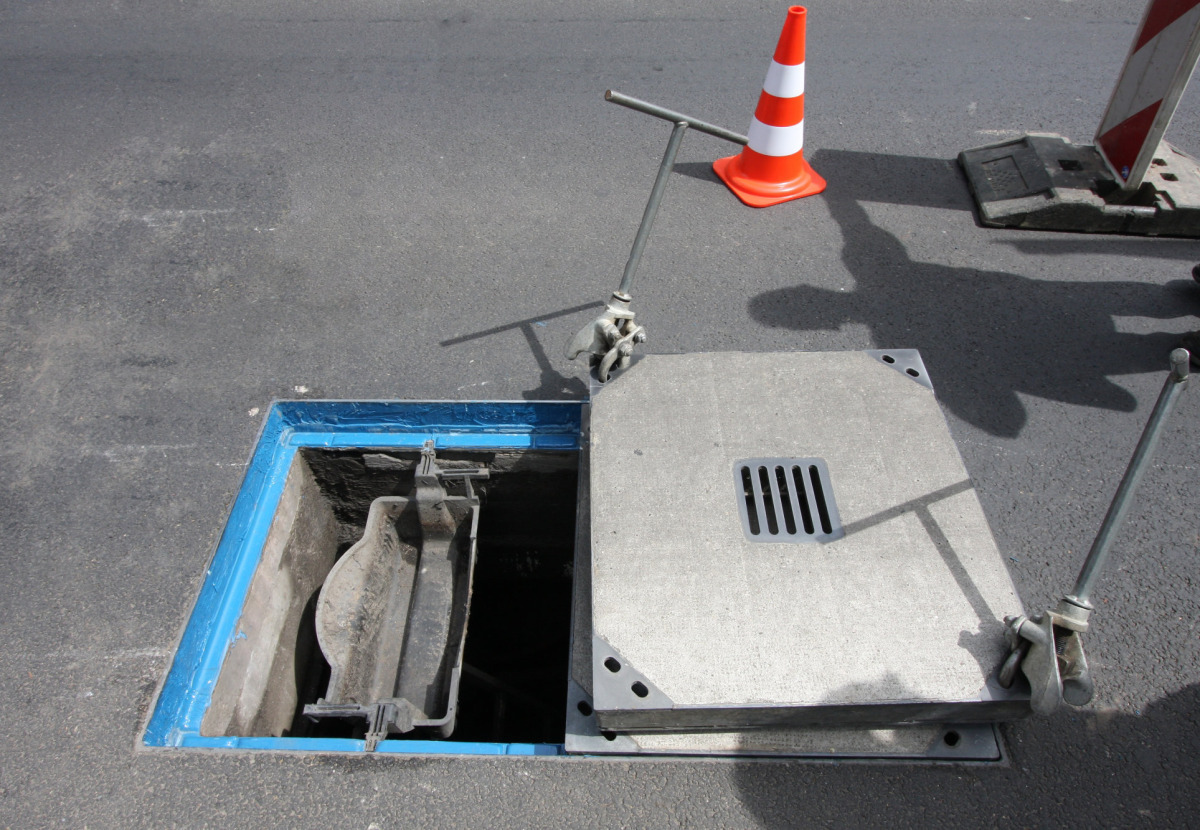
[941,743]
[890,612]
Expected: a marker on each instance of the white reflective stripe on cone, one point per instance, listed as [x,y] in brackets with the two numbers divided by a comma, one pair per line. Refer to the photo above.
[784,81]
[775,141]
[1150,70]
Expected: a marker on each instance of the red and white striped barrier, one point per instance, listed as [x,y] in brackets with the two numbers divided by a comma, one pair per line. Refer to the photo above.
[771,169]
[1155,74]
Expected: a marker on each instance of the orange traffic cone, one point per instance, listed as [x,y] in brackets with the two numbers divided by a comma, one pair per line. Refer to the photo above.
[772,168]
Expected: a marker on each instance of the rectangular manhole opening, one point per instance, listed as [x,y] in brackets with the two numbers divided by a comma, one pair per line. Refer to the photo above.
[244,673]
[512,688]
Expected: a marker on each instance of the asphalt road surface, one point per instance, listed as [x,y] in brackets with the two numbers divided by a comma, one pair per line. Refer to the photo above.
[206,206]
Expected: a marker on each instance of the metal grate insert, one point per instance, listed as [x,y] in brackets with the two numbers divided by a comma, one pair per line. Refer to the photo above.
[786,500]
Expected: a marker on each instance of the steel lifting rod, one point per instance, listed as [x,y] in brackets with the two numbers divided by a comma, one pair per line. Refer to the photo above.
[682,123]
[1097,557]
[656,194]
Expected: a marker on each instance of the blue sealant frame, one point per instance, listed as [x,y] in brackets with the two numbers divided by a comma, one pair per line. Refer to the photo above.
[288,427]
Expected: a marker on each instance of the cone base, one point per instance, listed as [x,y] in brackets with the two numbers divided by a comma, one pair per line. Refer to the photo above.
[757,193]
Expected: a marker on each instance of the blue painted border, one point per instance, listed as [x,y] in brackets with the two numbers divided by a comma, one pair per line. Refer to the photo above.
[289,425]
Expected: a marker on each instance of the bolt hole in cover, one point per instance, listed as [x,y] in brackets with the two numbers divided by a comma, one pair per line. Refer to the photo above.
[612,664]
[907,361]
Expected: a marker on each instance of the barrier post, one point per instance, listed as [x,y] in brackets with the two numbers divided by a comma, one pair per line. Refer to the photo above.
[1155,73]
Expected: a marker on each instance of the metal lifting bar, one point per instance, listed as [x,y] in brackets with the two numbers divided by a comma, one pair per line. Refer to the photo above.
[610,338]
[674,117]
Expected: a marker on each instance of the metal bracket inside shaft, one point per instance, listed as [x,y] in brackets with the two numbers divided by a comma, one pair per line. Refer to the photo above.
[392,614]
[1048,648]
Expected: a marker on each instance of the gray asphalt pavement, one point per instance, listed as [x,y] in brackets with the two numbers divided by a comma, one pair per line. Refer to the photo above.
[207,206]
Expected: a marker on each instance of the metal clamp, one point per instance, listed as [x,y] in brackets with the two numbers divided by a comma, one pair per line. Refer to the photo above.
[610,338]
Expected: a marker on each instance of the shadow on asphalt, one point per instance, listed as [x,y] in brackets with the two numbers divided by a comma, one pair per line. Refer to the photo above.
[1182,250]
[702,170]
[1126,770]
[984,335]
[554,384]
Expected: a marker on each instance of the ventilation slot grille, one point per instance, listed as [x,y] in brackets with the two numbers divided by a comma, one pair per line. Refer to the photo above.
[786,500]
